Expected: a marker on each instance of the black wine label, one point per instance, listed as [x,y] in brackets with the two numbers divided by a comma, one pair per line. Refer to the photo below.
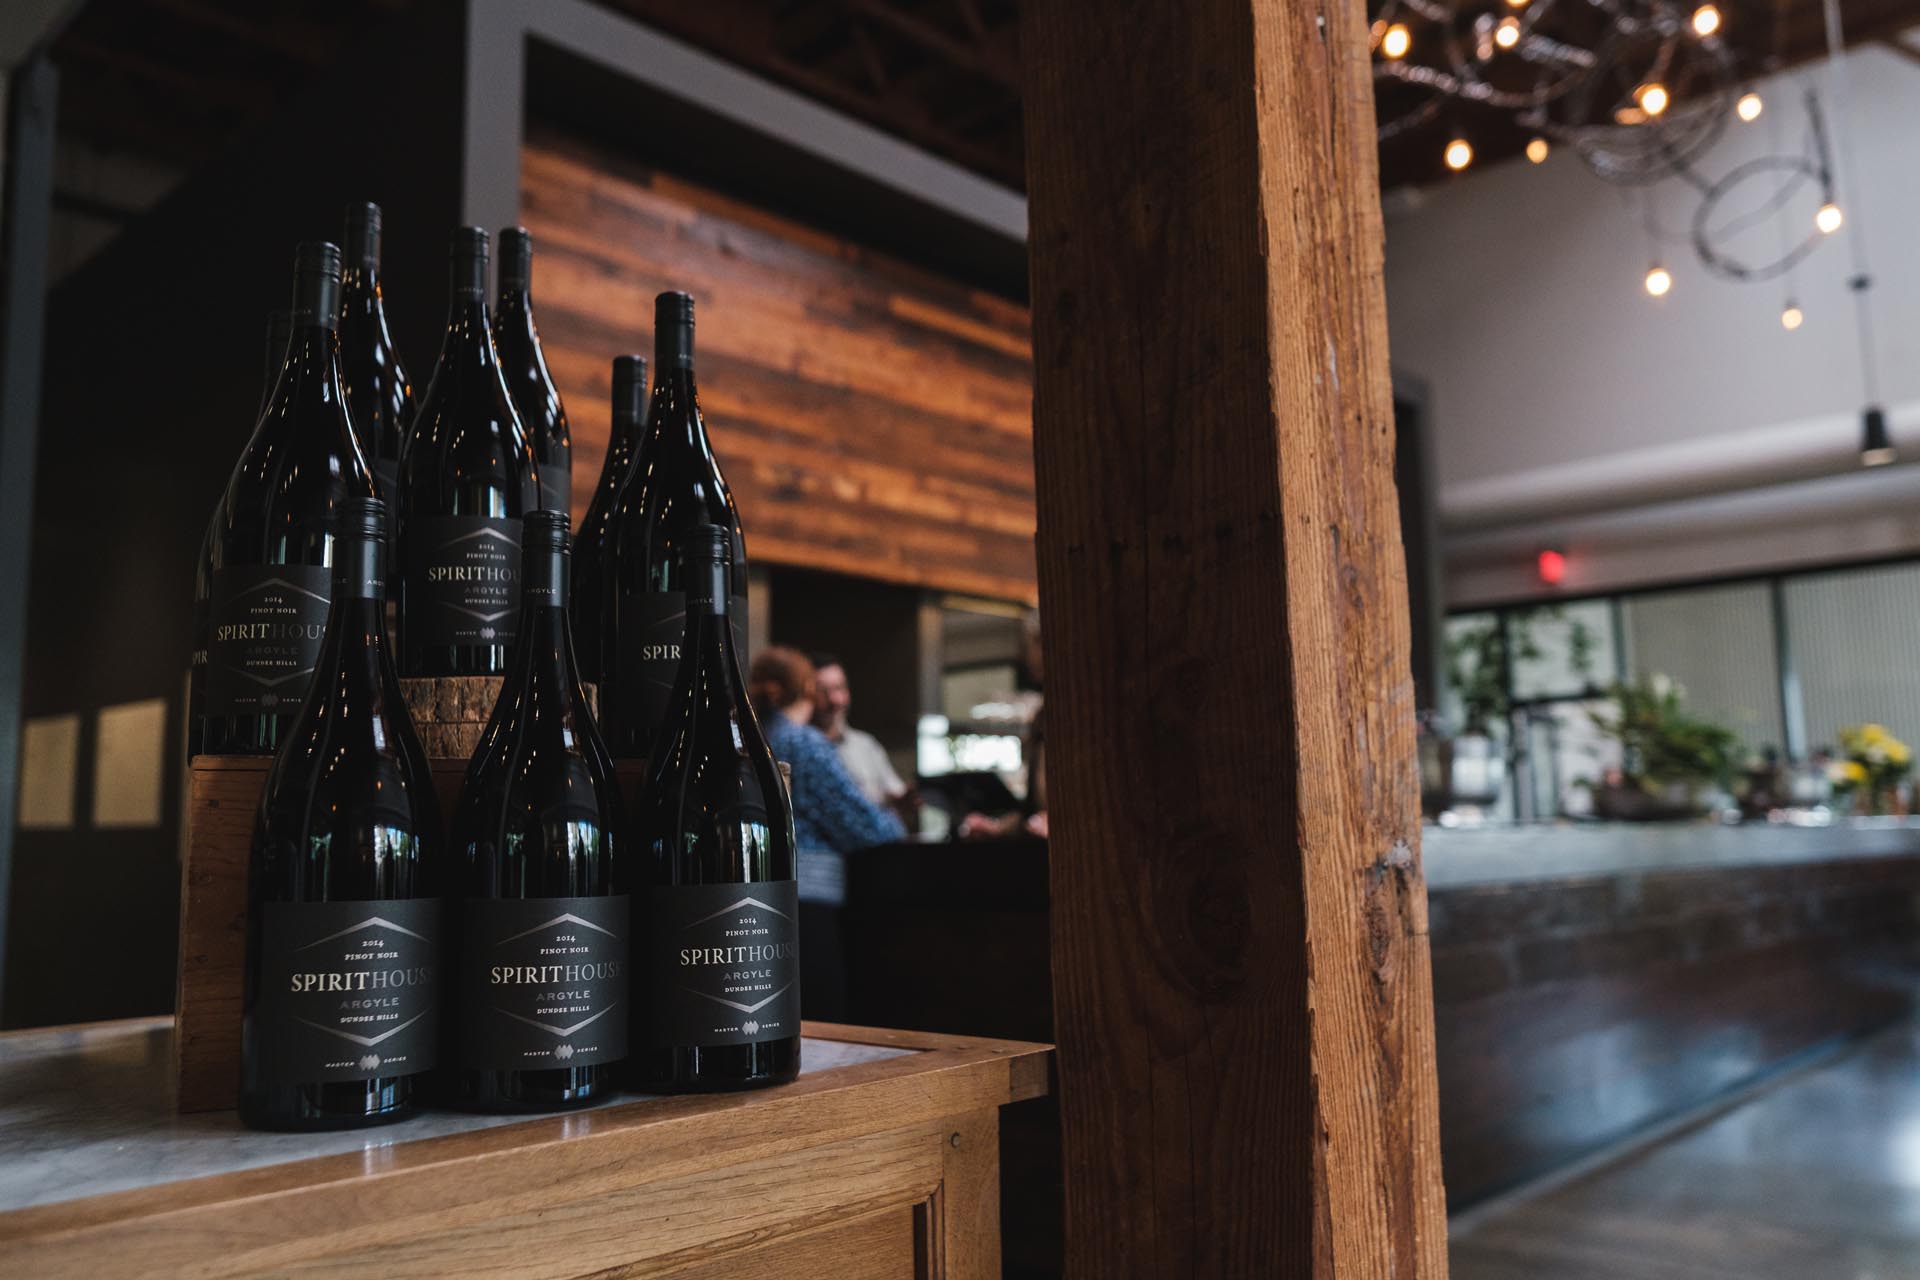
[653,627]
[263,636]
[723,963]
[543,982]
[463,580]
[347,990]
[556,487]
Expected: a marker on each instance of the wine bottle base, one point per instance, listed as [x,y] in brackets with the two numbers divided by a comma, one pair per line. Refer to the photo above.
[249,735]
[721,1069]
[529,1092]
[310,1108]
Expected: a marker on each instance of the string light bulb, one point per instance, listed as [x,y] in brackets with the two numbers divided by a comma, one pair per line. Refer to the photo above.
[1507,34]
[1459,154]
[1659,281]
[1396,41]
[1537,150]
[1706,20]
[1828,219]
[1516,4]
[1653,98]
[1749,107]
[1791,317]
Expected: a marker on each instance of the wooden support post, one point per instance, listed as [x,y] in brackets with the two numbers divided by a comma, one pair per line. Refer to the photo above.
[1242,989]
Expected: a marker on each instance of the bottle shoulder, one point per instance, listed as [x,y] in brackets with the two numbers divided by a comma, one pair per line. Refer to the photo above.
[299,464]
[541,759]
[464,432]
[352,751]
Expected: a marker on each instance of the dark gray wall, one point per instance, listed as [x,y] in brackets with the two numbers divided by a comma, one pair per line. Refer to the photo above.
[153,356]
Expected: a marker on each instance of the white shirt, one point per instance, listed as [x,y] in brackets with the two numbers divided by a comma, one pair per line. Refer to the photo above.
[868,766]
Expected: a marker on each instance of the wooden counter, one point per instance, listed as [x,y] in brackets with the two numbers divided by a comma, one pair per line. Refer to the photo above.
[881,1160]
[1588,981]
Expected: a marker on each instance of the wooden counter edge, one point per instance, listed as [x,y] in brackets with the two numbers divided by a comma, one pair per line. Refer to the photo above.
[681,1133]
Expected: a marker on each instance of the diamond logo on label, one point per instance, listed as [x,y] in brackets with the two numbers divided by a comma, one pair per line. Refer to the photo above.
[563,1052]
[750,1026]
[369,1061]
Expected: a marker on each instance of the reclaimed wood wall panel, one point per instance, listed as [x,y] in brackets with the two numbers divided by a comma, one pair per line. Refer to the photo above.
[872,418]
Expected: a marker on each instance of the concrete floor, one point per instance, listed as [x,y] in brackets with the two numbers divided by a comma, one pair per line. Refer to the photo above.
[1814,1178]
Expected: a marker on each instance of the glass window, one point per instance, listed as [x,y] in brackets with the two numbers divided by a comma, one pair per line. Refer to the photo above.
[1562,651]
[1717,643]
[1853,654]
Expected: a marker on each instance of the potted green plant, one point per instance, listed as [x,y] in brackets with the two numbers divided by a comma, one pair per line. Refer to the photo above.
[1670,759]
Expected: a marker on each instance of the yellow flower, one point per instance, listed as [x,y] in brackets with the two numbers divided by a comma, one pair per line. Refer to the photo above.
[1846,773]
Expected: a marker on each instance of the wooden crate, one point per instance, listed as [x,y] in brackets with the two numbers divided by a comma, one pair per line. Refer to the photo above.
[451,712]
[223,800]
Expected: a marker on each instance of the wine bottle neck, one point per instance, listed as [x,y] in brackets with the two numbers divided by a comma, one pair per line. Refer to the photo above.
[468,333]
[363,246]
[544,581]
[673,349]
[359,569]
[627,428]
[513,319]
[516,261]
[360,286]
[707,589]
[629,394]
[316,300]
[467,280]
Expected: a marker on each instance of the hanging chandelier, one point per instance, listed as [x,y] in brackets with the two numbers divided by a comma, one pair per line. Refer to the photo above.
[1640,90]
[1633,86]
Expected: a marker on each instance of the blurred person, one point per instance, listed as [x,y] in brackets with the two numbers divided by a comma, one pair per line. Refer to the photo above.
[865,759]
[830,818]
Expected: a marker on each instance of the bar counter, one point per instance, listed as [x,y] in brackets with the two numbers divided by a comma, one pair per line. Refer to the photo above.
[885,1151]
[1517,852]
[1589,979]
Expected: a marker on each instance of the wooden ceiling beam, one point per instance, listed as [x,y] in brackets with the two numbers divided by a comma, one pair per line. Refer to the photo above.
[870,59]
[984,60]
[746,34]
[303,42]
[194,87]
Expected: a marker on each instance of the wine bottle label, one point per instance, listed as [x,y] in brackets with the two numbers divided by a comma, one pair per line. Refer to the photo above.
[543,982]
[653,626]
[263,637]
[556,487]
[724,963]
[463,580]
[347,990]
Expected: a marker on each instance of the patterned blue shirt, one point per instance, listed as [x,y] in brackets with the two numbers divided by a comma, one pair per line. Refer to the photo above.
[828,810]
